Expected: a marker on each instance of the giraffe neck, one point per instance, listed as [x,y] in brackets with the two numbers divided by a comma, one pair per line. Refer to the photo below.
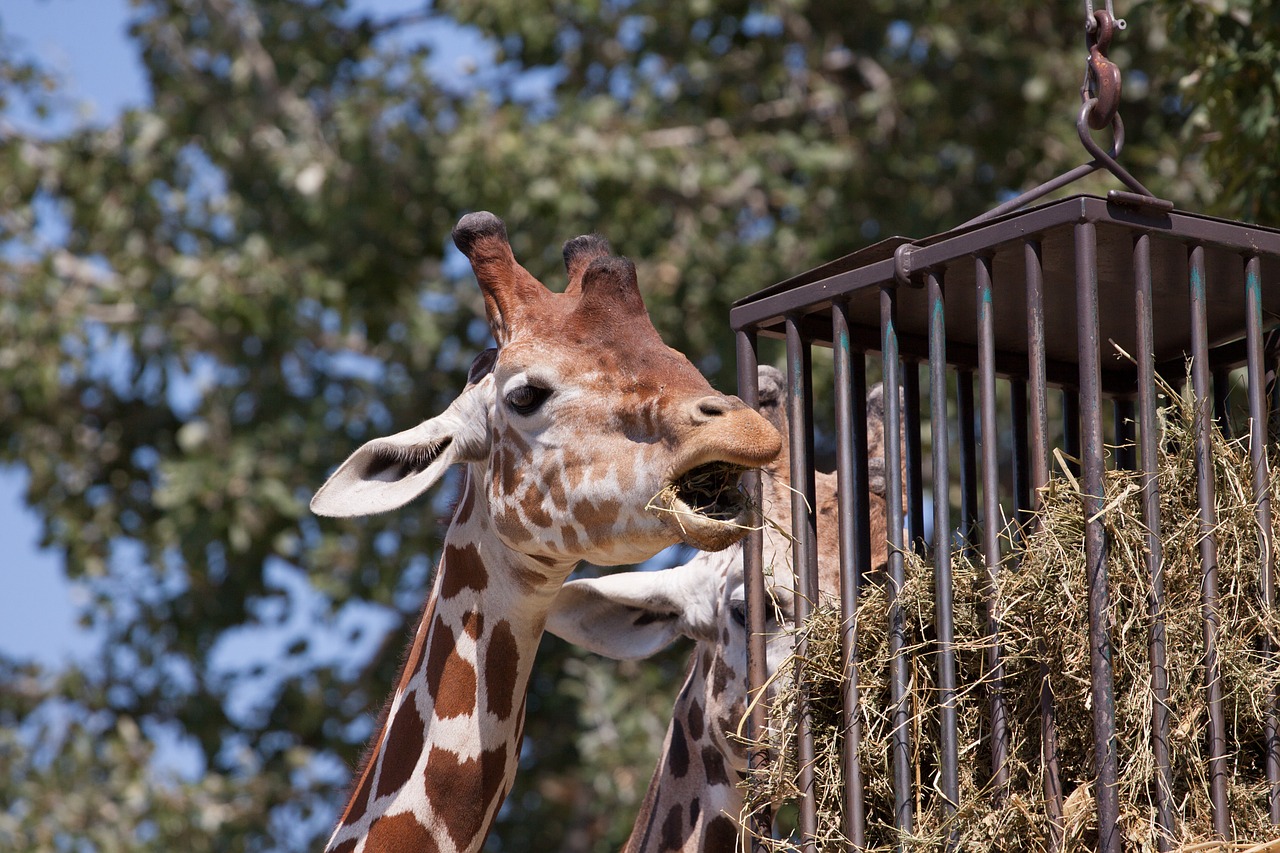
[693,799]
[447,752]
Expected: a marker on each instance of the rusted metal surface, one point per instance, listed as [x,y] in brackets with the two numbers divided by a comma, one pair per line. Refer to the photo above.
[1102,79]
[1256,375]
[854,519]
[1101,679]
[1039,452]
[1200,372]
[1150,452]
[753,570]
[948,724]
[991,525]
[1032,303]
[803,553]
[899,676]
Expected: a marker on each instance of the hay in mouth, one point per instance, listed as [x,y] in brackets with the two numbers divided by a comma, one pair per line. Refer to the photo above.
[709,491]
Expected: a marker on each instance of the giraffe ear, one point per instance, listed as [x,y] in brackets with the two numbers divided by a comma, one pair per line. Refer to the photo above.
[387,473]
[632,615]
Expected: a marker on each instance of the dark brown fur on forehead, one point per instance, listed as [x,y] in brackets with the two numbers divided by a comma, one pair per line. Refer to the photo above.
[578,255]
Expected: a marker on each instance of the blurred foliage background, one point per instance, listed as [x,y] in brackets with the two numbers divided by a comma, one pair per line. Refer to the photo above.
[251,275]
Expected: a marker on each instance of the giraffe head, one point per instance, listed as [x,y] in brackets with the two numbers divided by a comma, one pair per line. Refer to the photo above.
[635,614]
[590,437]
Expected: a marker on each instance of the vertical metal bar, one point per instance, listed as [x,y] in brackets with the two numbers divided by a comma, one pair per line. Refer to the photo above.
[853,516]
[1262,495]
[1021,474]
[1039,416]
[761,822]
[1208,545]
[1150,452]
[1071,428]
[948,723]
[1222,399]
[1126,451]
[1101,680]
[803,551]
[1273,394]
[899,684]
[968,461]
[994,675]
[915,468]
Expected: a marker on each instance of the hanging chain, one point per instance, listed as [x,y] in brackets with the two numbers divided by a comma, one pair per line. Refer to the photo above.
[1090,24]
[1102,76]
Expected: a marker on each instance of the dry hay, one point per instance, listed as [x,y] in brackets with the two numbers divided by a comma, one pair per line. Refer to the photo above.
[1042,603]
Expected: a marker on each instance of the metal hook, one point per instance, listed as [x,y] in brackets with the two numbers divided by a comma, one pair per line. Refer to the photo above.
[1083,124]
[1102,76]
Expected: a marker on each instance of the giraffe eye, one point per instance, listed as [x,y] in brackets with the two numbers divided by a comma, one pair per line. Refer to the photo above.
[527,399]
[738,610]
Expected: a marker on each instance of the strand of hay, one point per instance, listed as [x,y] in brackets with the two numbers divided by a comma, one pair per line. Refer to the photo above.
[1042,610]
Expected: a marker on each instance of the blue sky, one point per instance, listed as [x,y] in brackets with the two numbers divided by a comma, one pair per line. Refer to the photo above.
[86,41]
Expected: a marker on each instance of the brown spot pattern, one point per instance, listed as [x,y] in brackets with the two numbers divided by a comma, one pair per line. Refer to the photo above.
[569,536]
[346,846]
[713,764]
[721,836]
[403,746]
[400,834]
[673,828]
[510,474]
[595,516]
[678,753]
[461,792]
[450,679]
[695,809]
[500,664]
[721,677]
[473,624]
[531,503]
[462,569]
[507,517]
[414,660]
[360,802]
[574,470]
[695,720]
[555,489]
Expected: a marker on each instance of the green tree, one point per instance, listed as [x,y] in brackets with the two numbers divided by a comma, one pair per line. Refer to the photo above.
[255,277]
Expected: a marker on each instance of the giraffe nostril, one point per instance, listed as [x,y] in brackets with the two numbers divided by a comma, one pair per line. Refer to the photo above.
[712,407]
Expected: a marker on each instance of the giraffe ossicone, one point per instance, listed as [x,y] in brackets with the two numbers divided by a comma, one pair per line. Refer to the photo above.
[567,429]
[694,796]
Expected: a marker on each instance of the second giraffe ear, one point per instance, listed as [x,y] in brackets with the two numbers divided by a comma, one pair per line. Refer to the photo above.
[387,473]
[633,615]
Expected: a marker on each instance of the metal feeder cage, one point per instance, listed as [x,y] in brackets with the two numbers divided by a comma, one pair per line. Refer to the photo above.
[1030,298]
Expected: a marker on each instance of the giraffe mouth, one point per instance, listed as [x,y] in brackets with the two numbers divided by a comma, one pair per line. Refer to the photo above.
[704,506]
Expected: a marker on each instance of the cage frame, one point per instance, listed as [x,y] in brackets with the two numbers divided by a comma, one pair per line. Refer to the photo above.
[1202,278]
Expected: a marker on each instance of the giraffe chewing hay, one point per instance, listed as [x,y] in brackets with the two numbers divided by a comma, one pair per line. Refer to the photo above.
[566,429]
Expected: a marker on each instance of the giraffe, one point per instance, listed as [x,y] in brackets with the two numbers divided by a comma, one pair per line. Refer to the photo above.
[567,430]
[694,796]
